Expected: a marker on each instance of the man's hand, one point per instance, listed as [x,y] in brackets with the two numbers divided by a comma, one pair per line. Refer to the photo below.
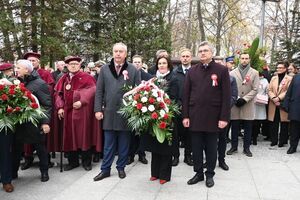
[186,122]
[46,128]
[240,102]
[99,115]
[77,105]
[60,113]
[222,124]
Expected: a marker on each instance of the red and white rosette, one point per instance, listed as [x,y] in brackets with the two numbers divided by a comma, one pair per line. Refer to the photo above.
[125,74]
[283,82]
[214,79]
[246,79]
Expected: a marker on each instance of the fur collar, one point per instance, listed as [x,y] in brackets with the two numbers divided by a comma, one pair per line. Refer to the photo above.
[113,69]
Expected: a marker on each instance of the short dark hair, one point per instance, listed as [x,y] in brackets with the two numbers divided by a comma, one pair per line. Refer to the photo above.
[170,66]
[285,63]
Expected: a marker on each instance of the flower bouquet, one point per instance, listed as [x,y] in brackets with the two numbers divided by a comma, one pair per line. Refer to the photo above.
[149,109]
[17,105]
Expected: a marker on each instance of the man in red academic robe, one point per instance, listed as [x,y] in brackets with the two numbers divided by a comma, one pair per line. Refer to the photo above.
[75,93]
[52,139]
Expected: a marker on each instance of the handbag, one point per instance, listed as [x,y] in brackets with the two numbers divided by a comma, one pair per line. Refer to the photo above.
[261,99]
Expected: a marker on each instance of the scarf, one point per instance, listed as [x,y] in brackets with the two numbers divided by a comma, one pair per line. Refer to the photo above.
[243,70]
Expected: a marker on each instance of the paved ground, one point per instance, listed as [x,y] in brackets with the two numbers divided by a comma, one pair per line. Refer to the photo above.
[270,175]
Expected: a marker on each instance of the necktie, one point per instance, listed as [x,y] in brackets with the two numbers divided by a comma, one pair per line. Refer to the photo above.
[118,68]
[186,71]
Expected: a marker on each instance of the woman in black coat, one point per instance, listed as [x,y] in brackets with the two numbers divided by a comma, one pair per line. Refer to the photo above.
[161,161]
[27,133]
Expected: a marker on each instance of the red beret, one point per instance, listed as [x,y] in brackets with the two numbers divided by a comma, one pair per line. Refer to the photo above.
[72,58]
[32,54]
[6,66]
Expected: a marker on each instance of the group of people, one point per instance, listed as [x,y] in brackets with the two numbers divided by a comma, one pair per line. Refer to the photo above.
[213,96]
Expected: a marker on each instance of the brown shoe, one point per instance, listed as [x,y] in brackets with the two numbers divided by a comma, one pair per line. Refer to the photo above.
[8,187]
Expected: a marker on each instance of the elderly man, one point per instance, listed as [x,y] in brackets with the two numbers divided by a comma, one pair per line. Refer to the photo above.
[206,110]
[28,133]
[108,100]
[75,92]
[59,65]
[247,80]
[45,75]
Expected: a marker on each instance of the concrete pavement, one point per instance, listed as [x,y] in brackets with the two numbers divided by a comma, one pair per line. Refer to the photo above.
[270,174]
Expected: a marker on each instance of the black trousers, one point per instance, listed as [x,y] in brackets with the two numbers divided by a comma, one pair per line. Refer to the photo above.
[274,126]
[41,152]
[258,127]
[135,146]
[86,156]
[295,133]
[209,141]
[235,129]
[6,156]
[161,166]
[222,144]
[185,137]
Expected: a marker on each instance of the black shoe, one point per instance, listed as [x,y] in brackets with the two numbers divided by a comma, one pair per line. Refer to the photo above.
[247,152]
[231,151]
[197,178]
[101,176]
[175,161]
[122,174]
[209,182]
[69,167]
[87,167]
[96,158]
[28,163]
[143,160]
[130,160]
[228,140]
[50,164]
[188,160]
[280,145]
[44,177]
[291,150]
[205,165]
[223,165]
[273,144]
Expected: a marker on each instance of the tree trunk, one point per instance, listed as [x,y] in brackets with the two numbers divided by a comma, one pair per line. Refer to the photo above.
[189,26]
[219,27]
[200,20]
[34,25]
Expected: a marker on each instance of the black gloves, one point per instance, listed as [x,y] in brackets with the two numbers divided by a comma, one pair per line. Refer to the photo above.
[240,102]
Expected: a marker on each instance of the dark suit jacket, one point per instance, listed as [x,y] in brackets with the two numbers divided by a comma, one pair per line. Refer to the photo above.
[203,103]
[292,99]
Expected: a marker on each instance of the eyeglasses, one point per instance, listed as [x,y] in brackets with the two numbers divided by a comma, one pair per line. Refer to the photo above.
[203,51]
[74,64]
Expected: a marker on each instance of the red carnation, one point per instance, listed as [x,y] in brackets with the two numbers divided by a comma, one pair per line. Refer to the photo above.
[12,87]
[22,88]
[2,87]
[136,97]
[17,109]
[166,116]
[9,110]
[4,97]
[12,92]
[28,94]
[151,100]
[34,105]
[162,125]
[139,106]
[154,115]
[147,88]
[168,101]
[161,105]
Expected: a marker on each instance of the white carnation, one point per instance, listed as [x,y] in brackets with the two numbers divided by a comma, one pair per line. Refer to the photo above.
[134,103]
[155,94]
[144,109]
[158,99]
[130,97]
[162,113]
[151,108]
[144,99]
[17,82]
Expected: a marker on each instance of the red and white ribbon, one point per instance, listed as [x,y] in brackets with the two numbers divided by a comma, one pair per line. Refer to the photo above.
[246,79]
[214,79]
[125,74]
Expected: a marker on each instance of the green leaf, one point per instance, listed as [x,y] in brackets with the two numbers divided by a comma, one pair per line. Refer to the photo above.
[160,135]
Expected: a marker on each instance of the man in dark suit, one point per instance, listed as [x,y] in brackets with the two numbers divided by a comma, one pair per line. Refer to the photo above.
[183,133]
[206,110]
[134,147]
[292,106]
[108,100]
